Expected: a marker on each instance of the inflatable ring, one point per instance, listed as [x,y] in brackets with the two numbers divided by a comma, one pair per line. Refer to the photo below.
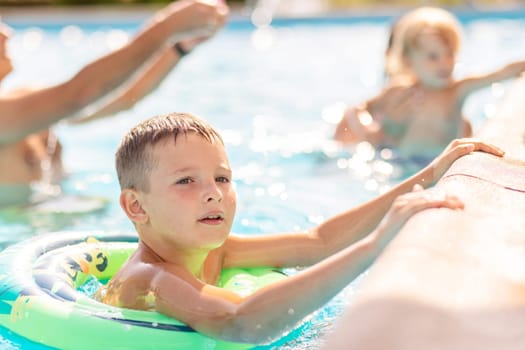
[40,298]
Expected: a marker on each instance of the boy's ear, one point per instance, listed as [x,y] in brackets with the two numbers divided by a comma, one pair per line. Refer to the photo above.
[130,203]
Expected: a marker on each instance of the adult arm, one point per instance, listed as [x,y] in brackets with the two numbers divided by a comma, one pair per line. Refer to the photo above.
[22,115]
[145,81]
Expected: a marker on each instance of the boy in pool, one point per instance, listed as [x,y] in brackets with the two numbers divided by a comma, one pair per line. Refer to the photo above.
[176,188]
[419,112]
[124,75]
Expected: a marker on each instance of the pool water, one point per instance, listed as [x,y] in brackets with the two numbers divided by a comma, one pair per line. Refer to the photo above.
[273,93]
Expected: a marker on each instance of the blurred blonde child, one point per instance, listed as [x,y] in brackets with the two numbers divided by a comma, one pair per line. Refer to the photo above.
[176,188]
[420,111]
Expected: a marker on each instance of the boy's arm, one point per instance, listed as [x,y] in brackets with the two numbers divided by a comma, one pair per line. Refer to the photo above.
[22,115]
[301,249]
[277,308]
[468,85]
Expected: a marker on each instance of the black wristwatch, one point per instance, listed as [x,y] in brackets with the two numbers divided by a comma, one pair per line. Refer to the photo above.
[179,50]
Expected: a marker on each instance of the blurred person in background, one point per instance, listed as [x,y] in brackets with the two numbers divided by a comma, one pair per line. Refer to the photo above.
[29,151]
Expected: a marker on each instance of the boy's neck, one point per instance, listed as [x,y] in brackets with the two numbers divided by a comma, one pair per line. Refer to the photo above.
[191,260]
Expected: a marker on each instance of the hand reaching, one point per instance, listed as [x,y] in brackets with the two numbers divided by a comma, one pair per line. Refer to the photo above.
[456,149]
[409,204]
[198,18]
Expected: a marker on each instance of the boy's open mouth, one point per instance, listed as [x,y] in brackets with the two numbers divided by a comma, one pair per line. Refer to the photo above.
[212,219]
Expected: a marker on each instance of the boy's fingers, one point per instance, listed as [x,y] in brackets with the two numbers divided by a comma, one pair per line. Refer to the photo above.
[466,148]
[437,199]
[489,148]
[478,146]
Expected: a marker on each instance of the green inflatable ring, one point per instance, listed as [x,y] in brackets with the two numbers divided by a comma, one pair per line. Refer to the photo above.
[39,297]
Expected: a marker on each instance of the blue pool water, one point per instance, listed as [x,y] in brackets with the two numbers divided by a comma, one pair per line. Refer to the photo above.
[272,93]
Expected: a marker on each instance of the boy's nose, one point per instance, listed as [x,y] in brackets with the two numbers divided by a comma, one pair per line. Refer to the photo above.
[213,194]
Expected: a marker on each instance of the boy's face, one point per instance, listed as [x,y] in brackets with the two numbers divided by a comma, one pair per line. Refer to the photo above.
[432,60]
[191,201]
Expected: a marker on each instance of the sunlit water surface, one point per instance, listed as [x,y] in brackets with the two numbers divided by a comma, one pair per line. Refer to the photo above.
[273,93]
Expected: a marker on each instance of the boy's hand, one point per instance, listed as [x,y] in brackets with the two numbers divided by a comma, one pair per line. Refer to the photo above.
[410,203]
[456,149]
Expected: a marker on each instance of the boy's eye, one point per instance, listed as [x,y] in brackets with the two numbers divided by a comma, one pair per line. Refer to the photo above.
[184,181]
[223,179]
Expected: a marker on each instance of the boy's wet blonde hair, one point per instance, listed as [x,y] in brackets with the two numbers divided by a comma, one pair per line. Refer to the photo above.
[134,159]
[406,33]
